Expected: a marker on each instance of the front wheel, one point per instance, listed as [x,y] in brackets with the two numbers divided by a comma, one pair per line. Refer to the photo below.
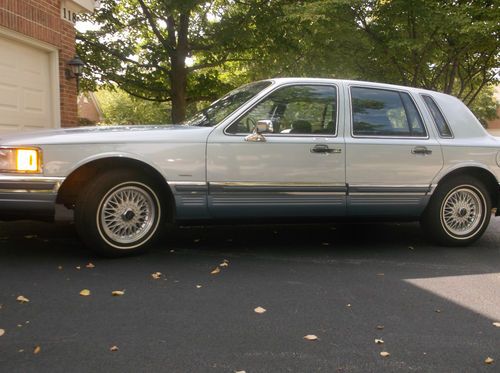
[458,212]
[119,213]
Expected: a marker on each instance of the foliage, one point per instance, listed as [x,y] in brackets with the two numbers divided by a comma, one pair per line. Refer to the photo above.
[451,46]
[119,107]
[485,106]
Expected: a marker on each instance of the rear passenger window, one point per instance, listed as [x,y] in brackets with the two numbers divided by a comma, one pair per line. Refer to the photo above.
[438,117]
[379,112]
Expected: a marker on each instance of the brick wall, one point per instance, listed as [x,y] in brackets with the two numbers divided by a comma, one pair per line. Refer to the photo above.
[41,20]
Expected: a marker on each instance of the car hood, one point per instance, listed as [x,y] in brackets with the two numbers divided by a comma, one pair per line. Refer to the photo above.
[110,134]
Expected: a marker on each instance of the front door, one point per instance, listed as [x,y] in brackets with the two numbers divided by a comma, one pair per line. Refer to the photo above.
[298,171]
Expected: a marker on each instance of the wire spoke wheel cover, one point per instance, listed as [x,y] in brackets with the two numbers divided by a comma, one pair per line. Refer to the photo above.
[462,211]
[128,215]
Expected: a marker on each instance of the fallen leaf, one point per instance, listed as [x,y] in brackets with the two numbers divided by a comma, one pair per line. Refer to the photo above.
[85,293]
[380,327]
[311,337]
[215,271]
[497,324]
[114,348]
[2,332]
[198,286]
[224,264]
[385,354]
[260,310]
[90,265]
[489,360]
[156,275]
[118,293]
[37,350]
[22,299]
[379,341]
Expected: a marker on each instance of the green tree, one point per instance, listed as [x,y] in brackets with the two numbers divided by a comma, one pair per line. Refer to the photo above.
[143,45]
[119,107]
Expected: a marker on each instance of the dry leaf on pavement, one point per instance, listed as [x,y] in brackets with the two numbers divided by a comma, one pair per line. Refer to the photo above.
[224,264]
[85,292]
[311,337]
[380,327]
[156,275]
[215,271]
[114,348]
[118,293]
[489,360]
[385,354]
[90,265]
[379,341]
[37,350]
[22,299]
[260,310]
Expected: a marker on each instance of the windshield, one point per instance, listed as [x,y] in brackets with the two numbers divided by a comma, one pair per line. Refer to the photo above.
[220,109]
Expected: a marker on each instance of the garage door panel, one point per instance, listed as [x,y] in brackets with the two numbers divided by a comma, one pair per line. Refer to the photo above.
[26,101]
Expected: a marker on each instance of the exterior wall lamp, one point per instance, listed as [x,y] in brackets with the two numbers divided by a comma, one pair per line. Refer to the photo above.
[75,70]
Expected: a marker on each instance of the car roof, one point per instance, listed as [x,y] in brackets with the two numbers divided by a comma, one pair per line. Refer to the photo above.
[353,82]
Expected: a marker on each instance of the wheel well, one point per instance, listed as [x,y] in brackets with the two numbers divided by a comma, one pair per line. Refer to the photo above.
[485,176]
[79,178]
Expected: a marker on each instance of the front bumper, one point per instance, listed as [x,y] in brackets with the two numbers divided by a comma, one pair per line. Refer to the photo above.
[28,197]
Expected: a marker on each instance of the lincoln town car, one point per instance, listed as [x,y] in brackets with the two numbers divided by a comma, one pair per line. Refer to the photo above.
[274,149]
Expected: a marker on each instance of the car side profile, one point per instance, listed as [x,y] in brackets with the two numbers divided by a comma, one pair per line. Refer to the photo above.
[279,148]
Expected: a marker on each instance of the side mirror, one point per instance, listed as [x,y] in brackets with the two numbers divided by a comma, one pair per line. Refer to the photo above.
[264,126]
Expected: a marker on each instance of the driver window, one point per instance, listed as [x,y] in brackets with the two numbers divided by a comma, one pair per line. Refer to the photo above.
[300,109]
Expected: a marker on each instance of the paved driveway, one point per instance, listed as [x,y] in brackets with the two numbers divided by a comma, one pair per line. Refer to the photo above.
[433,307]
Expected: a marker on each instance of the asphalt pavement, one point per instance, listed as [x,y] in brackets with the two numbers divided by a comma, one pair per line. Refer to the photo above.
[434,308]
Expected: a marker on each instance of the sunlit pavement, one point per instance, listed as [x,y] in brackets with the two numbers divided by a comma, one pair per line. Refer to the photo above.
[433,307]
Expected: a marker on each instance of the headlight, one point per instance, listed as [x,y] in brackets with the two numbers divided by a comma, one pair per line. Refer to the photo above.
[24,160]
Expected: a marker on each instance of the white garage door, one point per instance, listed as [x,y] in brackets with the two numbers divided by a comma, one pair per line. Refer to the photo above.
[26,95]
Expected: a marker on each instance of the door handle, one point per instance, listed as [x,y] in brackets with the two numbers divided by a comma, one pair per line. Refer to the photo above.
[321,148]
[421,150]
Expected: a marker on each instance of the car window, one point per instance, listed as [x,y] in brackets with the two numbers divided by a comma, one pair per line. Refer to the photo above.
[379,112]
[438,117]
[299,109]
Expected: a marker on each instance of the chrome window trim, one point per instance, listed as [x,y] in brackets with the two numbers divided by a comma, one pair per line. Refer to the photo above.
[274,89]
[427,137]
[432,116]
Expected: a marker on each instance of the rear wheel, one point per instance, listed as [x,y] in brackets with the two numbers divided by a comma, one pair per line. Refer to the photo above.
[119,213]
[458,212]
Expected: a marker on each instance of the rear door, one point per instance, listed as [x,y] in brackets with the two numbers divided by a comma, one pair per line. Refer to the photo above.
[392,157]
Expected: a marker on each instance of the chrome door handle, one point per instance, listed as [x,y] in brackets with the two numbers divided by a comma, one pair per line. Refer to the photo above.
[421,150]
[321,148]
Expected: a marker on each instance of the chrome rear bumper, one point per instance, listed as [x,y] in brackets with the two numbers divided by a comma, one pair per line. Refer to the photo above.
[28,197]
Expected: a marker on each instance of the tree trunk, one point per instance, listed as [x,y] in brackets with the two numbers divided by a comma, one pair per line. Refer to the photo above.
[178,84]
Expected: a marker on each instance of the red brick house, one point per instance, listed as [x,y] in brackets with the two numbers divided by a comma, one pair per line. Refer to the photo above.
[37,39]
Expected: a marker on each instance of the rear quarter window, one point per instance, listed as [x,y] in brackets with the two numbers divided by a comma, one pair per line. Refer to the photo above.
[438,117]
